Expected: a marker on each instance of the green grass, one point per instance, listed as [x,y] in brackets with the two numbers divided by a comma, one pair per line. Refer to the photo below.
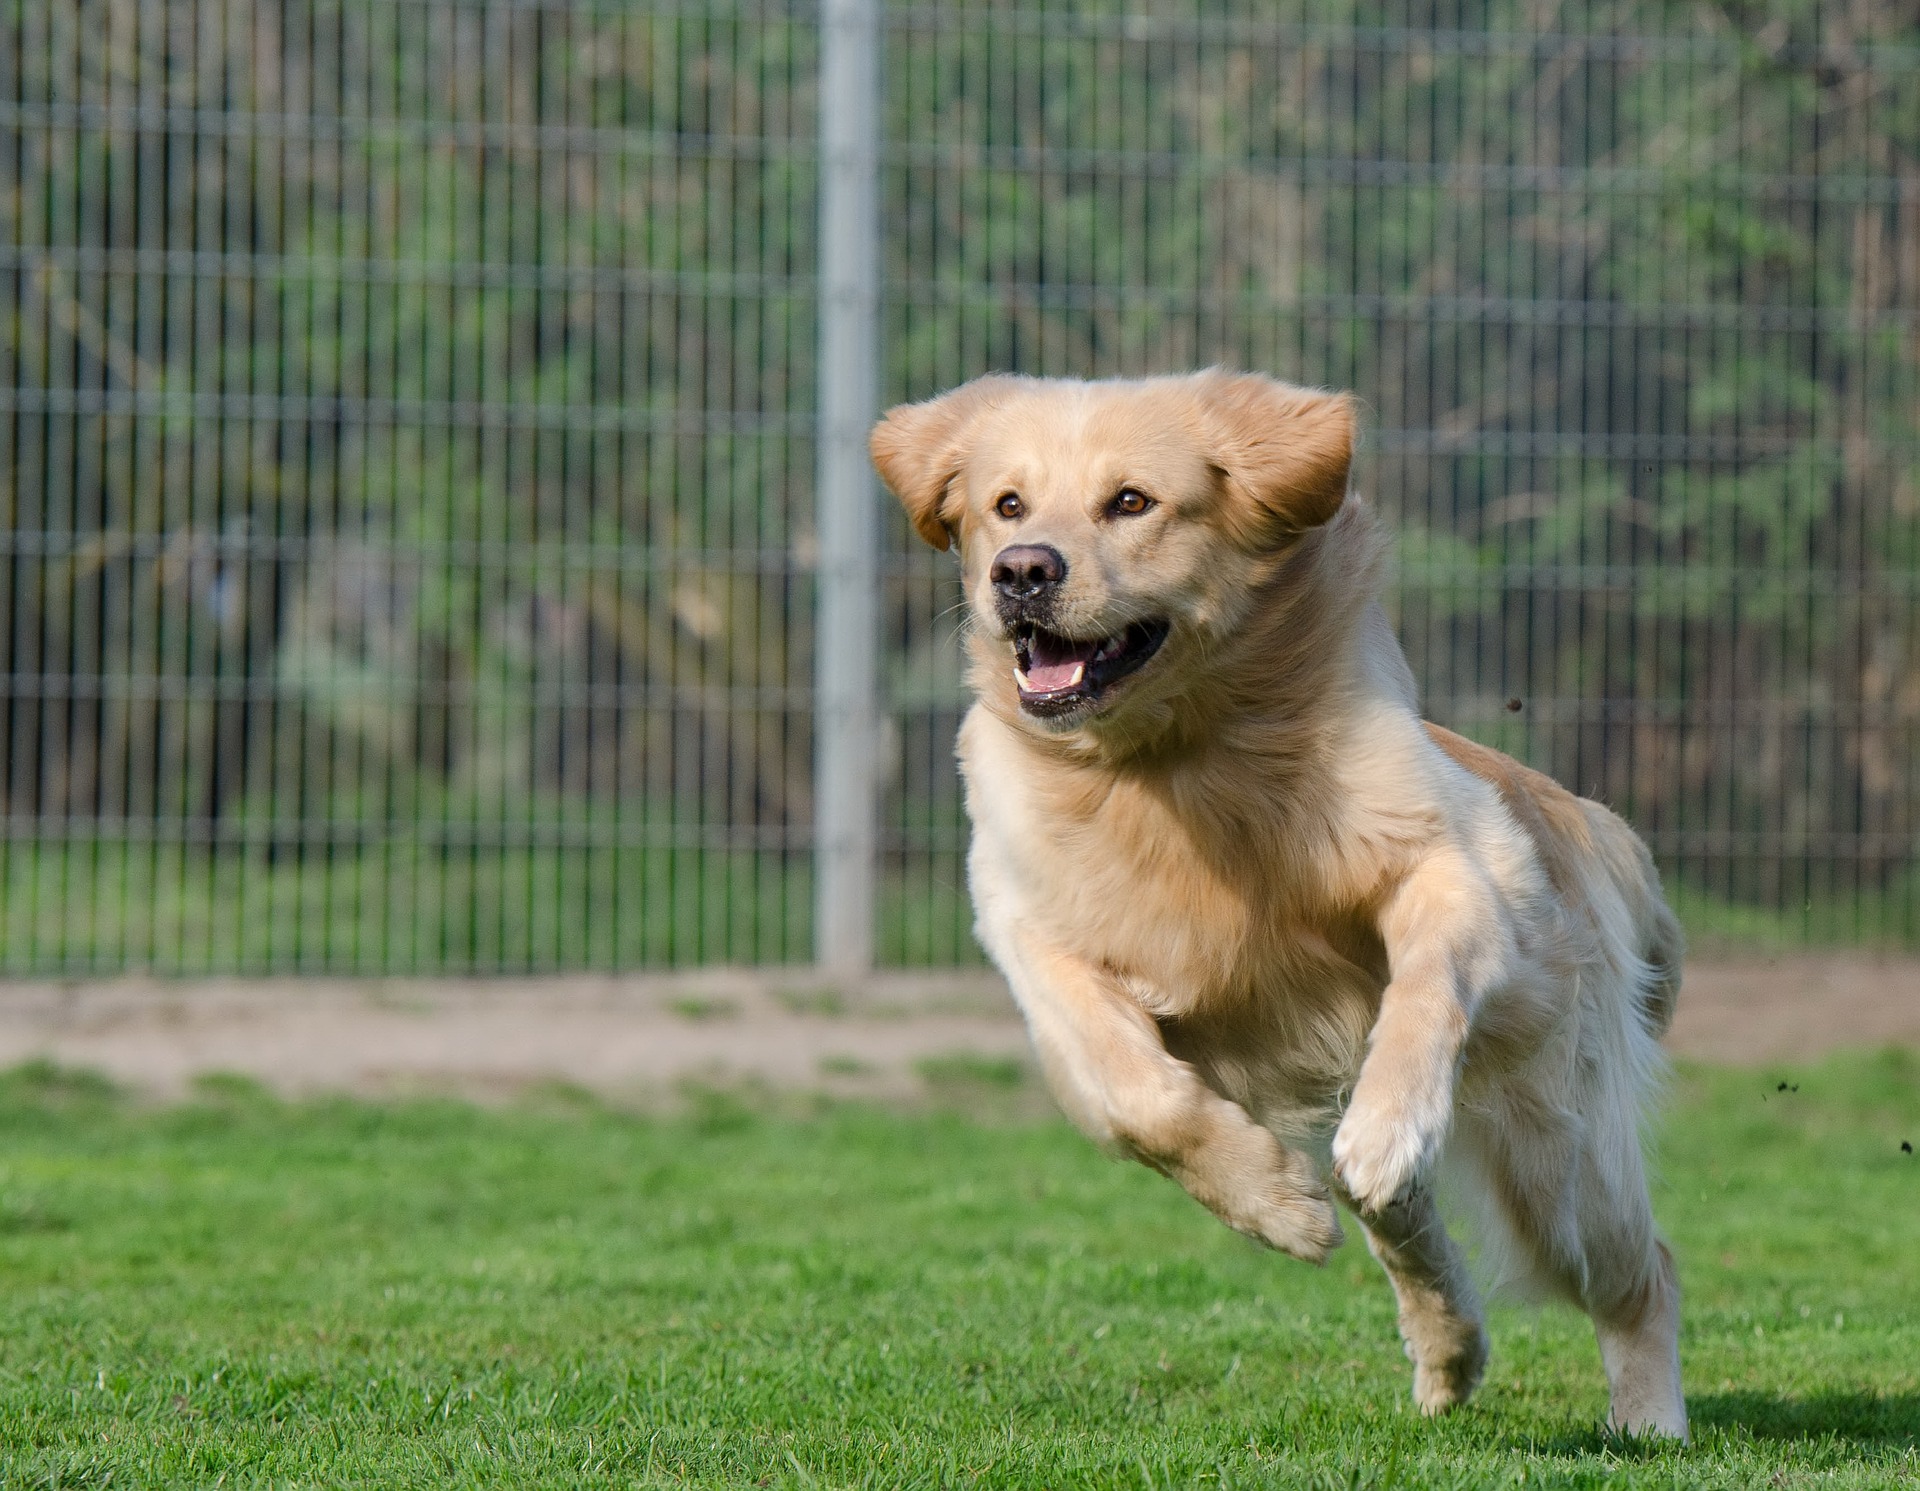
[405,906]
[1880,920]
[242,1292]
[402,907]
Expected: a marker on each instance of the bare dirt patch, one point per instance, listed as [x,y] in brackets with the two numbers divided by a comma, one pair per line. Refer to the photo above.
[648,1038]
[634,1038]
[1793,1008]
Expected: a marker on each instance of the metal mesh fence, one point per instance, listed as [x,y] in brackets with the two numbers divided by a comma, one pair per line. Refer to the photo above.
[407,435]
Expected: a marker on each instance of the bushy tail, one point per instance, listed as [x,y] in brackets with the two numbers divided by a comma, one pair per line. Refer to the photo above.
[1666,949]
[1661,944]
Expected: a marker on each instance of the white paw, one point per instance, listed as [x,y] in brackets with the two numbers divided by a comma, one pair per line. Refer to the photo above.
[1379,1157]
[1669,1422]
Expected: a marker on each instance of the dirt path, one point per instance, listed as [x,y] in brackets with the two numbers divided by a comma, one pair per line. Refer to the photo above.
[632,1038]
[1781,1009]
[644,1038]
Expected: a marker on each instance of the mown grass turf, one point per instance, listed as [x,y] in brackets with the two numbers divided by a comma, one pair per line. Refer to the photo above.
[242,1292]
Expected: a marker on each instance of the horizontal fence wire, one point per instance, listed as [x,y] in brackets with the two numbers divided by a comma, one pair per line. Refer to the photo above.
[407,436]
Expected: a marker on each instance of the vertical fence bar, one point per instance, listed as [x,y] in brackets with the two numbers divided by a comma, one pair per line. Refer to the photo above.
[845,703]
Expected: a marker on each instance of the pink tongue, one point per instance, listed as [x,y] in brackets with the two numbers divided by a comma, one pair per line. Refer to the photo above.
[1044,678]
[1053,665]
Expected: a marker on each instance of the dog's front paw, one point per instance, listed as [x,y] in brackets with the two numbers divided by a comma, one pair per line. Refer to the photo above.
[1300,1225]
[1380,1156]
[1446,1371]
[1271,1193]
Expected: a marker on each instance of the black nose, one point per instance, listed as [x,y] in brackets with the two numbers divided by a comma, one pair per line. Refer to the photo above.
[1024,571]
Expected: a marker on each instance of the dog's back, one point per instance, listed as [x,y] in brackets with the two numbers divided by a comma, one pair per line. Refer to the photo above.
[1573,836]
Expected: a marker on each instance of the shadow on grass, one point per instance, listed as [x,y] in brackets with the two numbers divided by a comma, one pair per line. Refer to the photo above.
[1882,1420]
[1872,1425]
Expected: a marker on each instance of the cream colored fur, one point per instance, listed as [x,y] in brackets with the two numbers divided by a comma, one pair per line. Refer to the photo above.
[1252,902]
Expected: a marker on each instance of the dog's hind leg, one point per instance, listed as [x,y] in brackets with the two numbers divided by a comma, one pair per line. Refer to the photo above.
[1572,1194]
[1440,1315]
[1639,1333]
[1630,1287]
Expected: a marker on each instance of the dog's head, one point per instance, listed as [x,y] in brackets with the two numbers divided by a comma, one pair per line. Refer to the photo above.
[1113,535]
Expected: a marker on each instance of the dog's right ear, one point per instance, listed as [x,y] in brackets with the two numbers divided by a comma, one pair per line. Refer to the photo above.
[918,449]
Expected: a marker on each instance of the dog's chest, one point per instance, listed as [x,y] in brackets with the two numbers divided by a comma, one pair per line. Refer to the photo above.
[1197,919]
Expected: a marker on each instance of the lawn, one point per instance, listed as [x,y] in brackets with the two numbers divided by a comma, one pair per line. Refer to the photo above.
[239,1291]
[407,906]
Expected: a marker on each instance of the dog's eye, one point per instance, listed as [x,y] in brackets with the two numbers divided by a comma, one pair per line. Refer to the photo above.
[1130,504]
[1009,505]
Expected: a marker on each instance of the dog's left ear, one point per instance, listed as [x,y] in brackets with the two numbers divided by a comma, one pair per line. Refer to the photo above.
[918,449]
[1285,451]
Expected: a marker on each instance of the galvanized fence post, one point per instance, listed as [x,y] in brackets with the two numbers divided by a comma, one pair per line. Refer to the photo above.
[846,719]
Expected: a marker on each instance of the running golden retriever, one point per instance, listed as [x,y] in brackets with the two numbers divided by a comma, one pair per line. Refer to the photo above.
[1246,898]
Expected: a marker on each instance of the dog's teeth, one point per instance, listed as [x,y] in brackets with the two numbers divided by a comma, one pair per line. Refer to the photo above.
[1026,684]
[1079,672]
[1107,649]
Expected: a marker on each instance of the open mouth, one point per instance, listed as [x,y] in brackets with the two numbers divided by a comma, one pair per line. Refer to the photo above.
[1056,674]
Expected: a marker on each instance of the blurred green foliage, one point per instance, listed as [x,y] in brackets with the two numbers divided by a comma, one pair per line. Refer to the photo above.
[409,416]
